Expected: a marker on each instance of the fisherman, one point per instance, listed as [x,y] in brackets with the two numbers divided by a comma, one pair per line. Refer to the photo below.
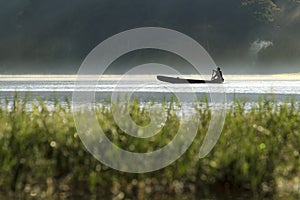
[217,75]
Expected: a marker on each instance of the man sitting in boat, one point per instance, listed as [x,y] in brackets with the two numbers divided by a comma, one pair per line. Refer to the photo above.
[217,75]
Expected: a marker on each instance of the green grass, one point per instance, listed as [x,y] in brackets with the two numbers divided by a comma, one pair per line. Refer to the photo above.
[42,156]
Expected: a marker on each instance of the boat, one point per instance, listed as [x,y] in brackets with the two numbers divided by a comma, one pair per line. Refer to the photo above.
[178,80]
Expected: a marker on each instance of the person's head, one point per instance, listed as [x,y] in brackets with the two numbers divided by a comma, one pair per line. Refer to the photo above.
[218,68]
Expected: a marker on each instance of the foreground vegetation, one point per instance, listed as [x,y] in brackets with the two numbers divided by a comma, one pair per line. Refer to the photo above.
[42,156]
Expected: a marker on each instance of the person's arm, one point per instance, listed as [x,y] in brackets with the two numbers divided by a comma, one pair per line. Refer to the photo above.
[214,73]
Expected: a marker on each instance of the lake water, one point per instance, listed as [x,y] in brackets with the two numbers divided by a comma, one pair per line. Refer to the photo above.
[147,90]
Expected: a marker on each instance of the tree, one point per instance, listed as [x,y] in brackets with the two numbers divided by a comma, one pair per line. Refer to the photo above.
[262,10]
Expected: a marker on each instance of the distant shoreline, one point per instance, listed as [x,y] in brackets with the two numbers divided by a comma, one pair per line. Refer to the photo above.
[279,77]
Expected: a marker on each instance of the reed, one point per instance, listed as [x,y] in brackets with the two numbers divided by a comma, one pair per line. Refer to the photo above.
[42,156]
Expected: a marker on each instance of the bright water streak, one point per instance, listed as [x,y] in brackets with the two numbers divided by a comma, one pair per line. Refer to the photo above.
[149,90]
[238,87]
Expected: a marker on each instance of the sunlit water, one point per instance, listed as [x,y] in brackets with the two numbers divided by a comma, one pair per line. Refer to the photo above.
[146,91]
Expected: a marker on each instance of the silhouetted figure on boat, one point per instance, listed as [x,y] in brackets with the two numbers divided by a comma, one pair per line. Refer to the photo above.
[217,75]
[217,78]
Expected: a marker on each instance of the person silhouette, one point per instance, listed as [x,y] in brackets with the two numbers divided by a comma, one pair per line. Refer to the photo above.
[217,74]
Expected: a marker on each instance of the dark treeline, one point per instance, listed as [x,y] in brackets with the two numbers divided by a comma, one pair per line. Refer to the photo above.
[241,35]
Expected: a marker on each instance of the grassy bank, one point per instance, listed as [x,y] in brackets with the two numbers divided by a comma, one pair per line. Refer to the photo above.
[42,156]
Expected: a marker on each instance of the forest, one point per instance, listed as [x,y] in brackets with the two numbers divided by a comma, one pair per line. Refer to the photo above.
[240,35]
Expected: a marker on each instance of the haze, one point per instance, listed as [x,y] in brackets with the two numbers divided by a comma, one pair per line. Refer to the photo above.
[243,37]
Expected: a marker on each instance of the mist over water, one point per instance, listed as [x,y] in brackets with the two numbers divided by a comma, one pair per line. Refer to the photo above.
[258,46]
[241,36]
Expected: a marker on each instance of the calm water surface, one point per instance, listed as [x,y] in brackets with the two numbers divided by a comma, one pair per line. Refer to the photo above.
[147,91]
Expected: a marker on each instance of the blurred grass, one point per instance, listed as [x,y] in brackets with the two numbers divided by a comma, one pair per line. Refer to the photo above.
[257,155]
